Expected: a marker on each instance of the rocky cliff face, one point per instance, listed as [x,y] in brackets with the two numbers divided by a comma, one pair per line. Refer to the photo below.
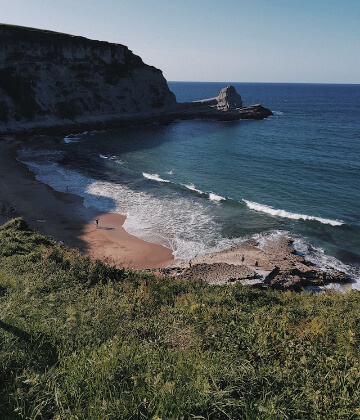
[49,78]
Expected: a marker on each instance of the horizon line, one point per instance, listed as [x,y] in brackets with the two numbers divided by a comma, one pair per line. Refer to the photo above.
[277,83]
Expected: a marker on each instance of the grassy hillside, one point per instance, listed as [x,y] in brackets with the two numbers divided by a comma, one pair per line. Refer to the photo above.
[83,340]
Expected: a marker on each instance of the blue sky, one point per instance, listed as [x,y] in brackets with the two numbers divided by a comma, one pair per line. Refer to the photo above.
[301,41]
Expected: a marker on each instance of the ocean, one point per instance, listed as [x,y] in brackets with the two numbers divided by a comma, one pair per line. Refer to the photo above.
[202,186]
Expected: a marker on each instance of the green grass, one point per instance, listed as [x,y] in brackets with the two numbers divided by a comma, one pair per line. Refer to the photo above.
[80,339]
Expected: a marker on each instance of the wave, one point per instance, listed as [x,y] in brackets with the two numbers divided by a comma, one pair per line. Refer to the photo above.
[112,158]
[154,177]
[317,256]
[283,213]
[192,187]
[71,138]
[183,225]
[314,254]
[215,197]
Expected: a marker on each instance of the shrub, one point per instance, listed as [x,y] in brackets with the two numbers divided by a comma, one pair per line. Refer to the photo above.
[83,339]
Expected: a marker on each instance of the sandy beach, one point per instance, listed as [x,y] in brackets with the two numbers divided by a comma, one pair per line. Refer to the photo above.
[64,217]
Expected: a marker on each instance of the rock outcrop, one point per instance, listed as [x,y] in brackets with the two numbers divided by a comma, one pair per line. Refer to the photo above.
[48,79]
[272,264]
[227,106]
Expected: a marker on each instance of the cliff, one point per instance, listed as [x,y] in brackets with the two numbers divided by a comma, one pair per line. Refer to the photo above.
[49,79]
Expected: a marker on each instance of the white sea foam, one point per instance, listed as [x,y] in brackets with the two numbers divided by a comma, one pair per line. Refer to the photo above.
[170,172]
[185,226]
[277,113]
[103,156]
[315,255]
[273,235]
[324,261]
[215,197]
[283,213]
[192,187]
[72,138]
[154,177]
[181,224]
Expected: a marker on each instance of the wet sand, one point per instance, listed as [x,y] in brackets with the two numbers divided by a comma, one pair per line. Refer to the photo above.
[63,217]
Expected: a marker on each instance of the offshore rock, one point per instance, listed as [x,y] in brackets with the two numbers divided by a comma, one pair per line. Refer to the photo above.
[50,81]
[227,106]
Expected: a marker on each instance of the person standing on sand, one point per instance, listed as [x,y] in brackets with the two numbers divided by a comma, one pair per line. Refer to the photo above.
[97,223]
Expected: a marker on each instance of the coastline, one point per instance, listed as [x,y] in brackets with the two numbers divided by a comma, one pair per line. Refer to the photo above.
[64,217]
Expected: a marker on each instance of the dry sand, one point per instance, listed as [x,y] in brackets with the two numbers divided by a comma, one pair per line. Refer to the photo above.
[64,217]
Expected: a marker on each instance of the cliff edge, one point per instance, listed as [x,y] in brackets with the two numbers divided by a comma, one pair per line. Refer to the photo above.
[49,79]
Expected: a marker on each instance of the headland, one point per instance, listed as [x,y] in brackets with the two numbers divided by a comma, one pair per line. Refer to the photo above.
[52,84]
[57,82]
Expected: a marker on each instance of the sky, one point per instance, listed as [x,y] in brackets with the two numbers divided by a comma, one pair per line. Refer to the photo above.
[289,41]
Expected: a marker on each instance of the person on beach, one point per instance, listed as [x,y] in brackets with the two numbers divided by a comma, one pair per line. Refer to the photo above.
[97,222]
[256,263]
[242,259]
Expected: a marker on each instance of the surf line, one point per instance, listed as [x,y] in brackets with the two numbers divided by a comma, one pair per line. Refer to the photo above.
[288,215]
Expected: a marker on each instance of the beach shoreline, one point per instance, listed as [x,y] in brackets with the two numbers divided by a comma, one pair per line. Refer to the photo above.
[64,217]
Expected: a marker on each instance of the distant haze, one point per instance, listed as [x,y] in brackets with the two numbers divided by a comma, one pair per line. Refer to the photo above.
[308,41]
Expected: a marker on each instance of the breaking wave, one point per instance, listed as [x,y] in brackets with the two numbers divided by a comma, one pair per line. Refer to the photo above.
[283,213]
[154,177]
[192,187]
[215,197]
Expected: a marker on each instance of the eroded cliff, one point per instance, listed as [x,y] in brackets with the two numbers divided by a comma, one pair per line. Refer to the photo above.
[48,78]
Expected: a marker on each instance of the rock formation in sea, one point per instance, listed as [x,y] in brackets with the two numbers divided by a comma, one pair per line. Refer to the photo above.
[49,79]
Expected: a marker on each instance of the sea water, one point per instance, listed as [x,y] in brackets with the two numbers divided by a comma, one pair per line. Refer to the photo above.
[202,186]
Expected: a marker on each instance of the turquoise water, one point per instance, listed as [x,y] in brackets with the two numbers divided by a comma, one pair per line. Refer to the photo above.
[200,186]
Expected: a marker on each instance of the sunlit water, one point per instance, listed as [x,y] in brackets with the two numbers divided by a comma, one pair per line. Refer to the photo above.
[201,186]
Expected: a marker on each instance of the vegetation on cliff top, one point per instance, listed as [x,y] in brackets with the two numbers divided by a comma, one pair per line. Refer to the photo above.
[82,339]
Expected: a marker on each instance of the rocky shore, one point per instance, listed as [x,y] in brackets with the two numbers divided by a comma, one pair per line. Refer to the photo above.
[265,263]
[274,263]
